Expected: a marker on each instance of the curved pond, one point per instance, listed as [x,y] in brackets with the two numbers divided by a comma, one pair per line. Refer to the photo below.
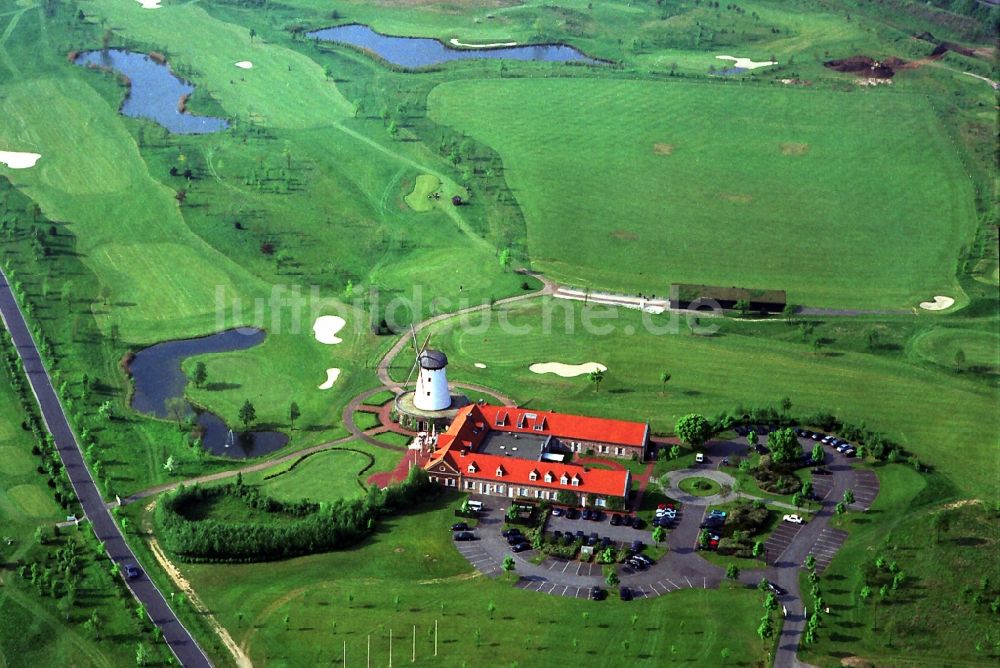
[414,52]
[157,375]
[155,92]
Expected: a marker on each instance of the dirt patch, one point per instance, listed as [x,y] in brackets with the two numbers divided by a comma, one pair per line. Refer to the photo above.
[400,550]
[741,199]
[663,149]
[792,148]
[242,660]
[454,578]
[624,235]
[962,504]
[866,66]
[856,662]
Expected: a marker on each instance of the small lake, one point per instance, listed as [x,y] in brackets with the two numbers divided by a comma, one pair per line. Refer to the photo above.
[415,52]
[155,92]
[157,377]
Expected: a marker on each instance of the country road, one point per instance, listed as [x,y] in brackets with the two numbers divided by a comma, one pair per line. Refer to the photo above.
[180,641]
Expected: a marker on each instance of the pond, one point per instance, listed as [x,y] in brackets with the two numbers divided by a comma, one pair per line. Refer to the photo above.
[155,93]
[414,52]
[158,377]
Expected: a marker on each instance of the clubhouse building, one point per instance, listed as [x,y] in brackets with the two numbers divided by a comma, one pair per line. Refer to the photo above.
[520,453]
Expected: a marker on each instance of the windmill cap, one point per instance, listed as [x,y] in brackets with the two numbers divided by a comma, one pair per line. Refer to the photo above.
[432,359]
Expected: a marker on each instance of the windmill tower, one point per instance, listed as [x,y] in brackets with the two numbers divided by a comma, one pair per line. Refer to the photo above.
[432,392]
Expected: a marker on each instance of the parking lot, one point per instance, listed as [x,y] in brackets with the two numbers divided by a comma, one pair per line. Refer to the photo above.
[480,558]
[618,534]
[826,546]
[779,541]
[865,488]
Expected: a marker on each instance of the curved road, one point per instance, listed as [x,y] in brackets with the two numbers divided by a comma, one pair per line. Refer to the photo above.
[181,643]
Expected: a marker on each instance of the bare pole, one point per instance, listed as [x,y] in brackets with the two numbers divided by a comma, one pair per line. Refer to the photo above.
[435,637]
[413,659]
[345,654]
[390,648]
[369,651]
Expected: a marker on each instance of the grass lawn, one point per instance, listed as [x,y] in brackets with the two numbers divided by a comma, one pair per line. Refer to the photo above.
[699,486]
[646,186]
[365,420]
[392,438]
[325,476]
[380,398]
[419,199]
[942,593]
[301,611]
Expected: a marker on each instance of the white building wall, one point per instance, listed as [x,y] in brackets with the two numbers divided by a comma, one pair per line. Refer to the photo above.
[432,390]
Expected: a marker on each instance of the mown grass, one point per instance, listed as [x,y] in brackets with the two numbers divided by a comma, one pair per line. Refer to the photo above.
[942,593]
[326,476]
[605,207]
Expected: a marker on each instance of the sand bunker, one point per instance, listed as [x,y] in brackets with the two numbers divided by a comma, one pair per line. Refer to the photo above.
[149,4]
[793,148]
[326,327]
[566,370]
[331,377]
[940,303]
[663,149]
[454,41]
[746,63]
[16,160]
[244,65]
[479,365]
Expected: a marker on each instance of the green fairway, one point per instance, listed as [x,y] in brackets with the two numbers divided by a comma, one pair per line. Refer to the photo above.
[643,184]
[961,349]
[721,372]
[420,198]
[326,476]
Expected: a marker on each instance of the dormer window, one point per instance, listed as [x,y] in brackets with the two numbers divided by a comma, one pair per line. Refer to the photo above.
[473,468]
[576,481]
[500,471]
[541,426]
[522,422]
[533,475]
[549,477]
[564,480]
[501,419]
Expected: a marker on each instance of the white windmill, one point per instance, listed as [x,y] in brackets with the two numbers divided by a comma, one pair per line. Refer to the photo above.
[432,393]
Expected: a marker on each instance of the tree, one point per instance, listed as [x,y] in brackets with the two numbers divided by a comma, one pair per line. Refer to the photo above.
[169,465]
[942,524]
[141,654]
[784,446]
[505,259]
[818,455]
[848,496]
[293,413]
[664,379]
[693,429]
[725,655]
[871,338]
[797,499]
[959,358]
[786,404]
[596,377]
[611,579]
[742,305]
[771,602]
[248,414]
[732,572]
[328,72]
[253,33]
[675,451]
[659,534]
[93,625]
[810,562]
[200,374]
[752,438]
[840,508]
[766,627]
[491,607]
[508,564]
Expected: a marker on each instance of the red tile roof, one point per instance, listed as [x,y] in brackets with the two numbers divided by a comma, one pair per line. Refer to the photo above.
[603,430]
[518,472]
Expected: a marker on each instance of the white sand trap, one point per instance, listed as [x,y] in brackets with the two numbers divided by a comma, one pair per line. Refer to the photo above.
[479,365]
[331,377]
[746,63]
[454,41]
[245,65]
[149,4]
[326,327]
[940,303]
[566,370]
[16,160]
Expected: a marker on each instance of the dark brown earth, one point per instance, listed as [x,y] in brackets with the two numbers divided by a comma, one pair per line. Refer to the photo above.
[867,67]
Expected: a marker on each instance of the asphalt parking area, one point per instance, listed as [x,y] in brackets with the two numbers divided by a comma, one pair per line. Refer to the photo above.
[480,558]
[826,546]
[552,588]
[618,534]
[779,541]
[822,485]
[865,486]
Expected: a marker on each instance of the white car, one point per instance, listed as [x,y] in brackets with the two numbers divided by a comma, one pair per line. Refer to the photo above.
[794,519]
[699,458]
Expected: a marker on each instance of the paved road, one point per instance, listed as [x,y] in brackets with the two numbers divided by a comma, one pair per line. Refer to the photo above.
[181,643]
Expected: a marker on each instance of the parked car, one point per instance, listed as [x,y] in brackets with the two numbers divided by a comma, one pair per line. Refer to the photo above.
[625,594]
[718,513]
[817,436]
[850,452]
[520,547]
[580,535]
[597,594]
[556,535]
[131,571]
[568,539]
[699,458]
[605,543]
[665,522]
[761,449]
[513,531]
[515,538]
[557,512]
[821,470]
[794,519]
[780,591]
[713,523]
[464,535]
[616,520]
[638,523]
[637,564]
[628,520]
[572,514]
[637,546]
[460,526]
[586,514]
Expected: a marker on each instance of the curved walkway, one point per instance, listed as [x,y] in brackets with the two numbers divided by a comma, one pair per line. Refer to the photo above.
[177,637]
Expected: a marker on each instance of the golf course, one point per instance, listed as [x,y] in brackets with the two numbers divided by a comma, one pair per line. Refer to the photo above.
[517,184]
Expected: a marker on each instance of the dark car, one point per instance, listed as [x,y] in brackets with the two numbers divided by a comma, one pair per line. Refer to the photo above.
[568,538]
[665,522]
[556,535]
[507,533]
[605,543]
[625,594]
[637,564]
[780,591]
[515,538]
[638,523]
[464,535]
[597,594]
[596,515]
[616,520]
[819,470]
[131,571]
[628,520]
[761,449]
[572,514]
[713,522]
[643,559]
[817,436]
[460,526]
[585,514]
[637,546]
[521,546]
[580,535]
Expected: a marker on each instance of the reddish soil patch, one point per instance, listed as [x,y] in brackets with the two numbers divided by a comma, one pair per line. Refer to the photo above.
[792,148]
[398,474]
[663,149]
[866,67]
